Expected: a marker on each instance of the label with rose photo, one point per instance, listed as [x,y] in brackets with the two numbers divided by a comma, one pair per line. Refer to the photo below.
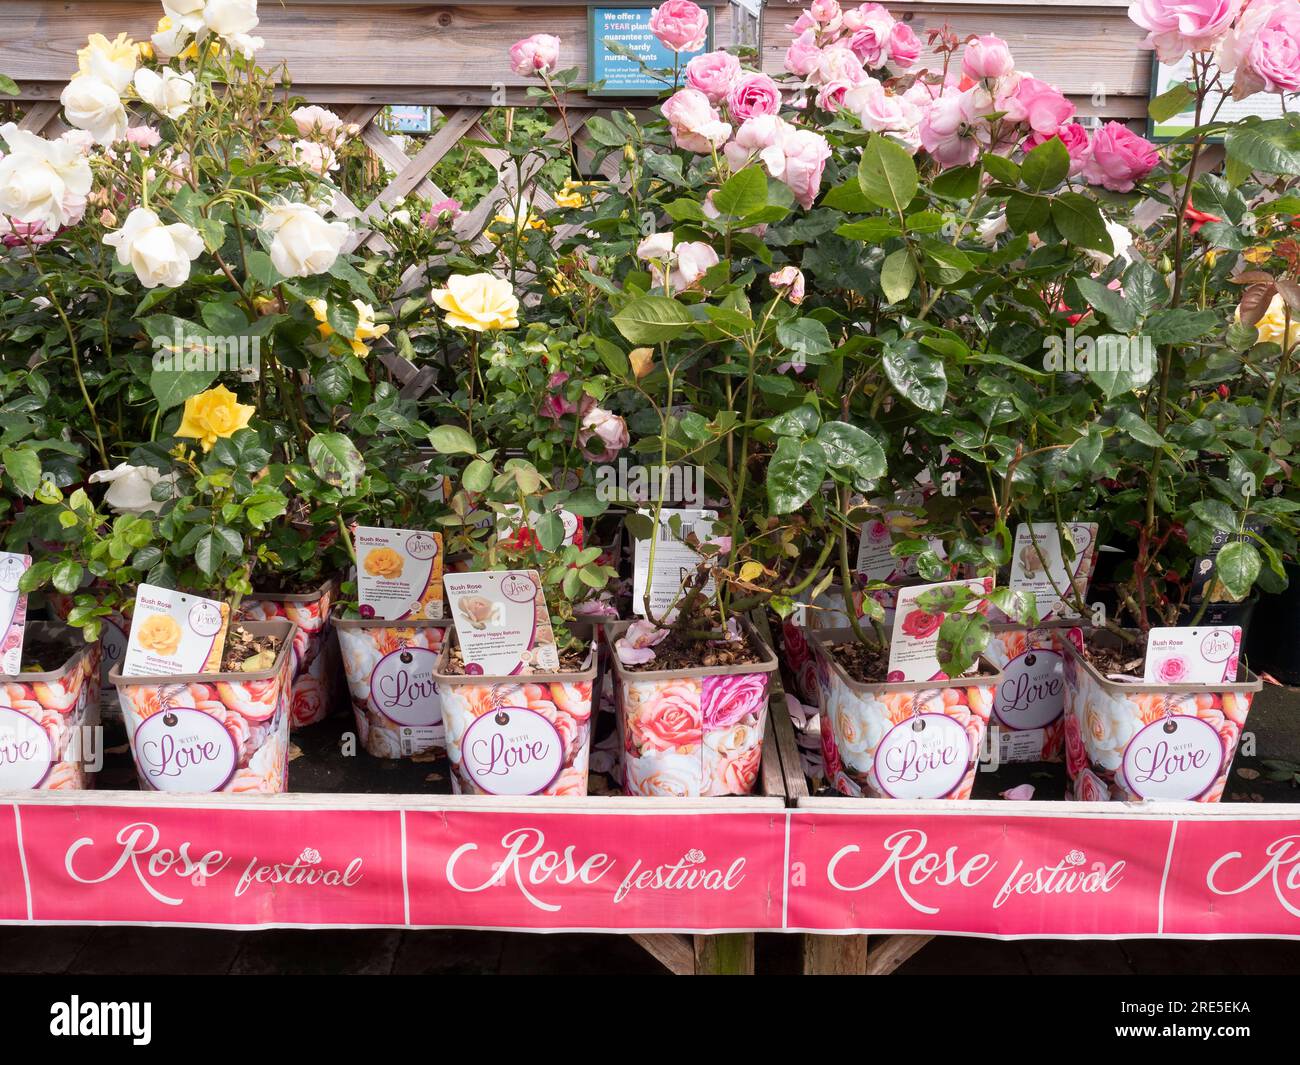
[1039,565]
[13,612]
[399,574]
[914,644]
[502,623]
[174,634]
[1192,656]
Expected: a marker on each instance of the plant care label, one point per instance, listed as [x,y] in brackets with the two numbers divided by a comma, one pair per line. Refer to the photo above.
[876,560]
[1176,757]
[502,623]
[399,574]
[174,633]
[183,749]
[26,751]
[563,522]
[675,561]
[514,751]
[923,757]
[13,611]
[1039,565]
[914,645]
[1197,655]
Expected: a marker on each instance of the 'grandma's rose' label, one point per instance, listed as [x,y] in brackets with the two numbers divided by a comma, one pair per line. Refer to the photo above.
[924,757]
[1032,693]
[26,752]
[174,634]
[184,750]
[402,687]
[399,573]
[1177,757]
[512,752]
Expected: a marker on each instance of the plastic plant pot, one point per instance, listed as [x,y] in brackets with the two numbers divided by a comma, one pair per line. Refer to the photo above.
[691,732]
[389,666]
[44,715]
[901,739]
[213,732]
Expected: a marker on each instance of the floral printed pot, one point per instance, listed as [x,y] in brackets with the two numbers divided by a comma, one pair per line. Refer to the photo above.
[518,735]
[1130,740]
[207,732]
[827,613]
[690,732]
[901,740]
[316,687]
[390,668]
[1029,703]
[42,716]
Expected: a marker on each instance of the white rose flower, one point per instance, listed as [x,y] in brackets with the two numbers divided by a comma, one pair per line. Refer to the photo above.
[159,254]
[319,120]
[42,181]
[303,243]
[245,44]
[130,488]
[112,62]
[1122,239]
[172,41]
[229,18]
[186,13]
[859,724]
[169,93]
[94,106]
[318,158]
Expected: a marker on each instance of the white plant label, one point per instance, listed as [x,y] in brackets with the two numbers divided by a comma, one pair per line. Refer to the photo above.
[675,561]
[173,633]
[184,750]
[924,757]
[502,623]
[26,752]
[13,611]
[1200,655]
[399,574]
[914,645]
[1038,564]
[514,751]
[1177,757]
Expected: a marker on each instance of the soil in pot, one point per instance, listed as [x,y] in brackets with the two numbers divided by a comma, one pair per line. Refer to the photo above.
[870,665]
[678,651]
[44,652]
[1127,661]
[246,653]
[571,661]
[286,584]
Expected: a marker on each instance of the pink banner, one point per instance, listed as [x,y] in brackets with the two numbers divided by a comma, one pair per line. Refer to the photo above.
[1234,878]
[983,874]
[987,868]
[213,865]
[656,871]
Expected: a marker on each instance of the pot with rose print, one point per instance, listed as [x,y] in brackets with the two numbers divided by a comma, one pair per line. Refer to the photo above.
[1127,739]
[317,689]
[901,739]
[825,611]
[47,712]
[1028,720]
[214,732]
[389,667]
[694,731]
[518,735]
[112,638]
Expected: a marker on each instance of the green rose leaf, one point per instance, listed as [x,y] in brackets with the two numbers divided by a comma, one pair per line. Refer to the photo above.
[1046,166]
[962,639]
[847,445]
[795,473]
[743,193]
[24,467]
[653,320]
[897,275]
[887,175]
[1237,566]
[917,375]
[804,335]
[452,440]
[1080,222]
[336,461]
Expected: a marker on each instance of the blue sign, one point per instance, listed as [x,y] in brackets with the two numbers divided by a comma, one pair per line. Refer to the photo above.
[629,28]
[410,118]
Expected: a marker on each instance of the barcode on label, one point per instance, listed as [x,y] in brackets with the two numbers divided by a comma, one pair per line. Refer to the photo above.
[687,528]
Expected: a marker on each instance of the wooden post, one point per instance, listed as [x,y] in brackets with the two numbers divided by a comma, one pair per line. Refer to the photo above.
[834,955]
[730,954]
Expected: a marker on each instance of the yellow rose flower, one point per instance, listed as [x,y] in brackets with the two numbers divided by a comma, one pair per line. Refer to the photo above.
[520,221]
[160,633]
[573,194]
[642,360]
[112,61]
[321,310]
[366,329]
[213,415]
[1273,326]
[480,302]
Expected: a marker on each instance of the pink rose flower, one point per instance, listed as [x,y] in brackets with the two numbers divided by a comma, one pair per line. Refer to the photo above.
[1038,105]
[870,40]
[143,136]
[830,753]
[736,774]
[838,64]
[695,123]
[680,25]
[762,136]
[882,112]
[727,699]
[1075,139]
[950,129]
[1172,670]
[538,54]
[635,646]
[805,155]
[1088,787]
[608,428]
[754,95]
[920,625]
[1274,56]
[986,58]
[790,281]
[713,73]
[1076,755]
[554,405]
[825,12]
[803,55]
[446,210]
[1176,27]
[1118,158]
[904,46]
[669,719]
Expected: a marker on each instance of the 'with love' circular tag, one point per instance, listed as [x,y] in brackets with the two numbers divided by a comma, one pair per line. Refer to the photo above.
[1177,757]
[924,757]
[184,750]
[402,687]
[1032,691]
[514,751]
[26,752]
